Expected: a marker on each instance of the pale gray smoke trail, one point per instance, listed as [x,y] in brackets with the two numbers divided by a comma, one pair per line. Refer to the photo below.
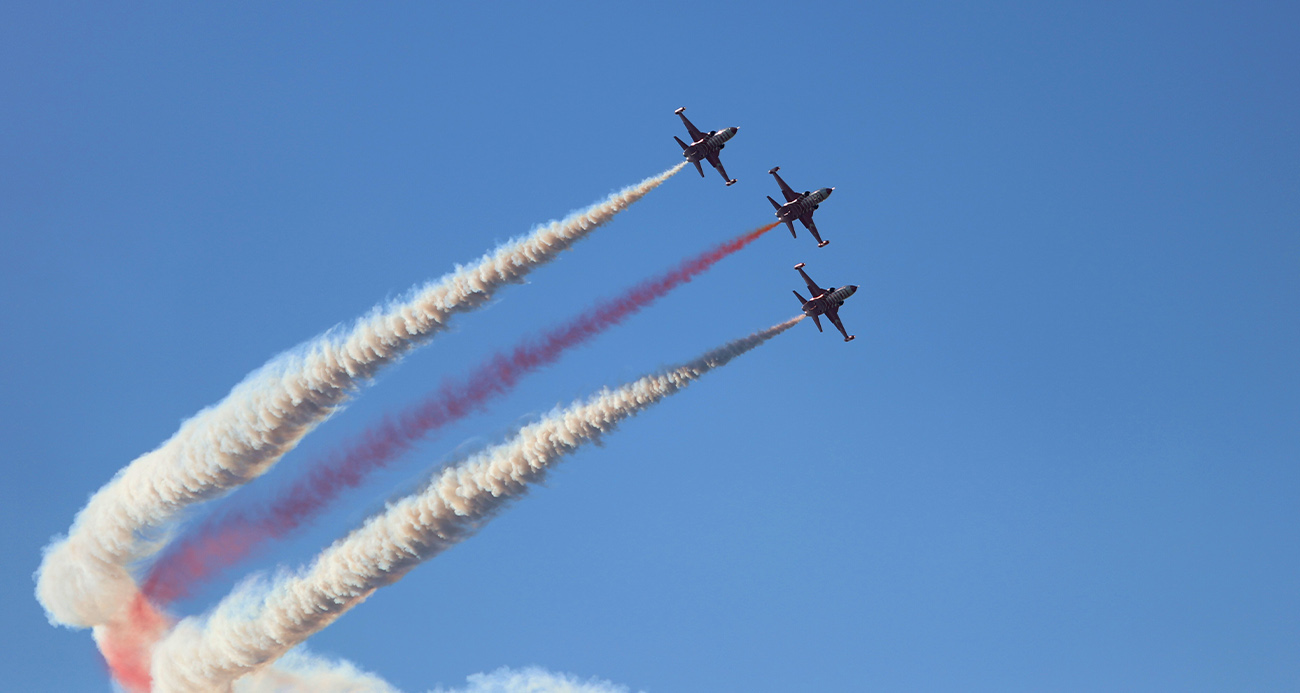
[258,622]
[83,580]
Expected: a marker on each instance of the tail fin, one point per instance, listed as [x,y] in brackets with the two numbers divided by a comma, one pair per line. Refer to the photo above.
[679,141]
[774,204]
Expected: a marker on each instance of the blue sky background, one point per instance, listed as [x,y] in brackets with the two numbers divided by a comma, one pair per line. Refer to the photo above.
[1061,455]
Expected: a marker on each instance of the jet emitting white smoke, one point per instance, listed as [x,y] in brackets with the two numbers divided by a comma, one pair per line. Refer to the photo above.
[259,622]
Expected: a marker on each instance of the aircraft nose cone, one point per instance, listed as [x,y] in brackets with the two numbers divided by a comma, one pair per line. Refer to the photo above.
[853,289]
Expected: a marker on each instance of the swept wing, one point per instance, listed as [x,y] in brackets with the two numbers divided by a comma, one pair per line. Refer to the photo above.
[790,195]
[696,135]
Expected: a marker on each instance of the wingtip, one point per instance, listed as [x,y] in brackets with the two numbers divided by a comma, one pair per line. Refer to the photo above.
[774,169]
[799,266]
[679,111]
[823,244]
[850,338]
[731,182]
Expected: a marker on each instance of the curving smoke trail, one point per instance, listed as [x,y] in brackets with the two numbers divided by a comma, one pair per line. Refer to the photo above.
[229,538]
[250,629]
[83,579]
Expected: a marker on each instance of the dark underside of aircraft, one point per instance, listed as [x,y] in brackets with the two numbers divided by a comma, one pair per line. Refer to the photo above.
[705,146]
[799,207]
[825,302]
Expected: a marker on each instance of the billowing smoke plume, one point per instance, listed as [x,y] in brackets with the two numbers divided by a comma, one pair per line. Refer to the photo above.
[258,623]
[228,538]
[83,579]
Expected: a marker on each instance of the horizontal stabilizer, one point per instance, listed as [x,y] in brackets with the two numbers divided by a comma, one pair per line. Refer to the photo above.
[699,168]
[817,321]
[679,141]
[774,204]
[801,301]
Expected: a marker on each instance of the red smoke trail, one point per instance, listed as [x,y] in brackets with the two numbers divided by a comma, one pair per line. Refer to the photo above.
[226,540]
[126,643]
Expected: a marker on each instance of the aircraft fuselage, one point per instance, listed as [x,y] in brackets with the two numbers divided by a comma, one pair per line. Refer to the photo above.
[806,203]
[709,145]
[831,300]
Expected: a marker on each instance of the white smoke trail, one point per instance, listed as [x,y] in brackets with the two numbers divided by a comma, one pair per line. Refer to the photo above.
[83,580]
[533,680]
[258,622]
[302,672]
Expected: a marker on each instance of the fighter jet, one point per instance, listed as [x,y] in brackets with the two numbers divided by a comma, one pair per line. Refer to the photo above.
[825,302]
[705,146]
[799,207]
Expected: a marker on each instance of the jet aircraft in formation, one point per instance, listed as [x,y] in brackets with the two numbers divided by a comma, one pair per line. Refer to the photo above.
[799,207]
[825,302]
[705,146]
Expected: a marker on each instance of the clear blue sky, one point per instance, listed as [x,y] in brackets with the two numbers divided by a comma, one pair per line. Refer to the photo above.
[1061,455]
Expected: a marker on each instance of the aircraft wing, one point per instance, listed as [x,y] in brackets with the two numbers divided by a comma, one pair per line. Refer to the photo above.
[834,316]
[717,163]
[812,285]
[696,135]
[790,195]
[807,221]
